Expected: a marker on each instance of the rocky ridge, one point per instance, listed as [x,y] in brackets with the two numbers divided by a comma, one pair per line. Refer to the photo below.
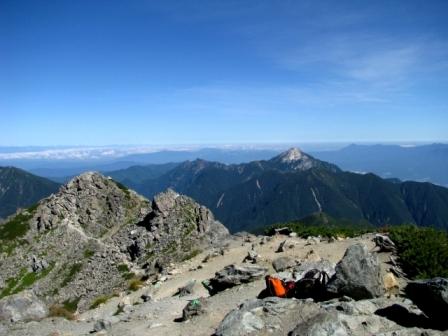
[94,237]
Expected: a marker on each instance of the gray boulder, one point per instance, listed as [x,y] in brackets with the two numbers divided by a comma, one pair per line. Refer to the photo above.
[357,275]
[24,306]
[282,263]
[234,275]
[384,243]
[431,296]
[273,316]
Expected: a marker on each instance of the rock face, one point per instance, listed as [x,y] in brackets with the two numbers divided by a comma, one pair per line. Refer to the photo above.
[175,228]
[24,306]
[357,275]
[90,203]
[431,296]
[269,316]
[234,275]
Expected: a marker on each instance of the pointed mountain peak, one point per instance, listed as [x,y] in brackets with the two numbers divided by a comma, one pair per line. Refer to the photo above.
[291,155]
[296,160]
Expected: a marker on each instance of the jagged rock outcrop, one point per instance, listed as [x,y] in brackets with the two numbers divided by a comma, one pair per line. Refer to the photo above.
[91,204]
[22,307]
[357,275]
[175,228]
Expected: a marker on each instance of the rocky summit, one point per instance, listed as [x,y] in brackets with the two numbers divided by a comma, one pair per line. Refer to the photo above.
[95,238]
[97,258]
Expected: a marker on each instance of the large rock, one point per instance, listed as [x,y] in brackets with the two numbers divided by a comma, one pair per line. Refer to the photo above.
[431,296]
[357,275]
[273,316]
[24,306]
[234,275]
[282,263]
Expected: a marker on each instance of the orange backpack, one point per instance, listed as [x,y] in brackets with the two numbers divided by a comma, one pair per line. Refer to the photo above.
[279,288]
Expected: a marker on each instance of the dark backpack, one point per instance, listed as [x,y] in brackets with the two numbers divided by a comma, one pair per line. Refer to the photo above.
[312,285]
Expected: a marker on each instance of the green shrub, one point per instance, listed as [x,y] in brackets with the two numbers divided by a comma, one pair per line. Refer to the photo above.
[58,310]
[305,231]
[422,252]
[88,253]
[135,284]
[123,268]
[71,305]
[100,300]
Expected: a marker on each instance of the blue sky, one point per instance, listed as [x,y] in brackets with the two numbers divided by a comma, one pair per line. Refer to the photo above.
[91,72]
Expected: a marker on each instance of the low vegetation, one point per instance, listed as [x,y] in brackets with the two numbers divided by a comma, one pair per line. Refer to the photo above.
[58,310]
[99,301]
[88,253]
[306,231]
[23,281]
[135,284]
[17,226]
[423,252]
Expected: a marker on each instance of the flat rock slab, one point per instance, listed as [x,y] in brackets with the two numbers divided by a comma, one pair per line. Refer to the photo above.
[234,275]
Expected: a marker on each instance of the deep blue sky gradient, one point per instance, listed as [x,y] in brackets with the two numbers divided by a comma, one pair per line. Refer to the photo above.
[97,72]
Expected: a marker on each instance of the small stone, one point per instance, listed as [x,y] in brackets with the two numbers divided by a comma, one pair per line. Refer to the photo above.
[194,308]
[252,257]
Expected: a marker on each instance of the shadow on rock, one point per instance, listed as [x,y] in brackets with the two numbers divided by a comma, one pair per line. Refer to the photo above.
[404,317]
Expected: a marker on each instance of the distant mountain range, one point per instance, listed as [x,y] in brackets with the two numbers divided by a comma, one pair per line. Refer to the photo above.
[417,163]
[423,163]
[293,185]
[290,186]
[19,189]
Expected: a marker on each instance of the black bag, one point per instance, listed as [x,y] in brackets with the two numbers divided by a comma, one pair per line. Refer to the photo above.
[312,285]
